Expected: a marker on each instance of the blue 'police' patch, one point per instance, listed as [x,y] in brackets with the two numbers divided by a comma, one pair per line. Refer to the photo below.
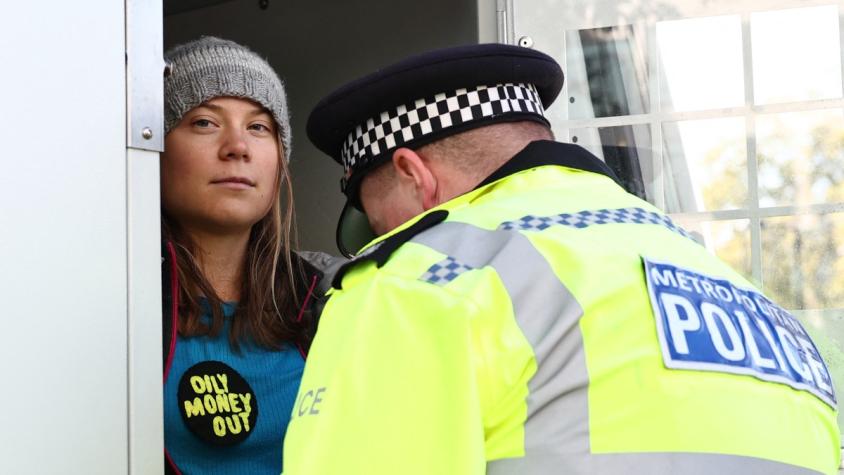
[709,324]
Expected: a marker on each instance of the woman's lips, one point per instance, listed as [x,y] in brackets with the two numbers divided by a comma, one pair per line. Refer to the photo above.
[234,182]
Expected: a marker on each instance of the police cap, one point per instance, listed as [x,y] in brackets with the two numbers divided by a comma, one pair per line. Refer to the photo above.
[423,99]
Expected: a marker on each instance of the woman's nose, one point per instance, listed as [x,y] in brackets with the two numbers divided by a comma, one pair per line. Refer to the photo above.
[234,146]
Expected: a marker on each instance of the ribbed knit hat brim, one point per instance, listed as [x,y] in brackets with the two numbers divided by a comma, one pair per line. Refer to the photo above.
[212,67]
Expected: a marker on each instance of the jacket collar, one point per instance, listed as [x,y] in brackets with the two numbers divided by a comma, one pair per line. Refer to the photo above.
[547,152]
[535,154]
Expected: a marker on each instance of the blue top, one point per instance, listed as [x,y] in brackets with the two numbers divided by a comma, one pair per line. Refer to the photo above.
[214,422]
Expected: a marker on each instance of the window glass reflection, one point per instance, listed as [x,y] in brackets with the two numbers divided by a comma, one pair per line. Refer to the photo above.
[800,157]
[796,54]
[729,240]
[803,260]
[700,63]
[626,149]
[607,72]
[826,327]
[705,165]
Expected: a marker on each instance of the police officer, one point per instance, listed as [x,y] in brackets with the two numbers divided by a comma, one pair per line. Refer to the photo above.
[520,313]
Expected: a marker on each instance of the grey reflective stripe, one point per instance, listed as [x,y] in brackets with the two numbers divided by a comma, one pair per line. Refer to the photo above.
[557,426]
[655,463]
[548,315]
[584,219]
[445,271]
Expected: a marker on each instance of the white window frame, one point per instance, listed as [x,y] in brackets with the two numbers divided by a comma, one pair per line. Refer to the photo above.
[518,24]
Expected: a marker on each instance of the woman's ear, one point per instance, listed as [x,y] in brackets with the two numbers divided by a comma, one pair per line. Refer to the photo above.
[414,174]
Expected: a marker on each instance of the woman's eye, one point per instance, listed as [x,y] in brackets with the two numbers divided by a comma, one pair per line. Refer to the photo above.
[259,127]
[203,123]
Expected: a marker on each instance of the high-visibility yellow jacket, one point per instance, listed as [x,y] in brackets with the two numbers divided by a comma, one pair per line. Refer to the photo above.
[548,322]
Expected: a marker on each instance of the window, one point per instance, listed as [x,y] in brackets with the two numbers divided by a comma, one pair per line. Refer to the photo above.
[732,123]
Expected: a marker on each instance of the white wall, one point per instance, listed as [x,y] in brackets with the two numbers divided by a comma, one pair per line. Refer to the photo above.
[63,277]
[316,46]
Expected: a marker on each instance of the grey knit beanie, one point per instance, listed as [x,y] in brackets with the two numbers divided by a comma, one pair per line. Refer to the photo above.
[212,67]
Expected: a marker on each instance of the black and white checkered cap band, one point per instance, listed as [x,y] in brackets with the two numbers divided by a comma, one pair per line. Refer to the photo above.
[408,122]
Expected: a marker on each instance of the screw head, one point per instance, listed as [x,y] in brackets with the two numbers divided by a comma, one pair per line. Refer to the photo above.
[146,133]
[526,42]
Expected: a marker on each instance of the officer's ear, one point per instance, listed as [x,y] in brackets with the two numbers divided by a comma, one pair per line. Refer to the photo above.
[415,174]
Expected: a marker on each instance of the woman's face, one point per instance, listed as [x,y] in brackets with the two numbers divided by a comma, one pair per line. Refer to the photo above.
[219,167]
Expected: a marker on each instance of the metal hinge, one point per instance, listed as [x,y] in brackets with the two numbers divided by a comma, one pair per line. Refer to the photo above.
[504,14]
[144,73]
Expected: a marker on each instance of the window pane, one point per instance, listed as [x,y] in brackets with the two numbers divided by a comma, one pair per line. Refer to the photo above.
[826,327]
[700,63]
[801,157]
[803,260]
[607,72]
[705,165]
[796,55]
[729,240]
[627,151]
